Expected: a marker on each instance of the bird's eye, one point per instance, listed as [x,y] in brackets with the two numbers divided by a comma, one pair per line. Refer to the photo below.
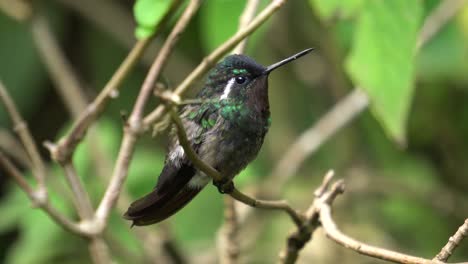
[240,79]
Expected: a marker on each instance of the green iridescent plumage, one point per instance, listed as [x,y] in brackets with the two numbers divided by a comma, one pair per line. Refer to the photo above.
[226,130]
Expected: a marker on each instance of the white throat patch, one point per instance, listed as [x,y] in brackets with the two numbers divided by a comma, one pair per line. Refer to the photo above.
[227,89]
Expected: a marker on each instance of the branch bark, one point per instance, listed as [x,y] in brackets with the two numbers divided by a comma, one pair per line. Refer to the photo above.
[453,243]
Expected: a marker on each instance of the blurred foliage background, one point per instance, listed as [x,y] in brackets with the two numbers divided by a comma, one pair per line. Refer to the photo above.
[404,160]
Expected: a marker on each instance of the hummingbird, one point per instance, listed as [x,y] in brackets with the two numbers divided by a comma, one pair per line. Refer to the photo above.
[226,130]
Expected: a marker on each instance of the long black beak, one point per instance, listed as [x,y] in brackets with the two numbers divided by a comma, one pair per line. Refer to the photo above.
[287,60]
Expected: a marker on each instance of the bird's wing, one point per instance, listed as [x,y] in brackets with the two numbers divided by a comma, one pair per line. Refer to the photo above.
[172,192]
[196,121]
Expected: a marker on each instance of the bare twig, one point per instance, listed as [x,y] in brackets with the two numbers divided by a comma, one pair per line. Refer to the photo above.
[445,11]
[68,143]
[453,242]
[211,59]
[133,128]
[80,196]
[26,138]
[319,214]
[13,148]
[216,176]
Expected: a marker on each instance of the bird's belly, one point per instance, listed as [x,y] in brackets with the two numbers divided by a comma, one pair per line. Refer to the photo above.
[229,150]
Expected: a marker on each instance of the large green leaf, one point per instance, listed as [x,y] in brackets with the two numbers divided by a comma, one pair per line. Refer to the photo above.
[329,8]
[147,14]
[382,59]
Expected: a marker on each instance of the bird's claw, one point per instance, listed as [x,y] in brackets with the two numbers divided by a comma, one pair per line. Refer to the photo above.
[225,186]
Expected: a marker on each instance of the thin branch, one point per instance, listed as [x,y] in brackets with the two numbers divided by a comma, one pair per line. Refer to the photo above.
[216,176]
[211,59]
[21,128]
[453,242]
[16,175]
[80,195]
[440,16]
[13,148]
[67,144]
[133,128]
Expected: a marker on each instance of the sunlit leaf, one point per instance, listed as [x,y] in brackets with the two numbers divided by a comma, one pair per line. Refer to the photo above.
[382,60]
[147,14]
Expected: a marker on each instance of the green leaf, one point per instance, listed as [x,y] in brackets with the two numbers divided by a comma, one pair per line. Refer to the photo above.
[148,13]
[382,60]
[343,8]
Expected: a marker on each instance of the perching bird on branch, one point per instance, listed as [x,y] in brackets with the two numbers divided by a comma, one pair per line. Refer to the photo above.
[226,130]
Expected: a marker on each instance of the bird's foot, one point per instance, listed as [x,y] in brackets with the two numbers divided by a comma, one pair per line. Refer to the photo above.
[225,186]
